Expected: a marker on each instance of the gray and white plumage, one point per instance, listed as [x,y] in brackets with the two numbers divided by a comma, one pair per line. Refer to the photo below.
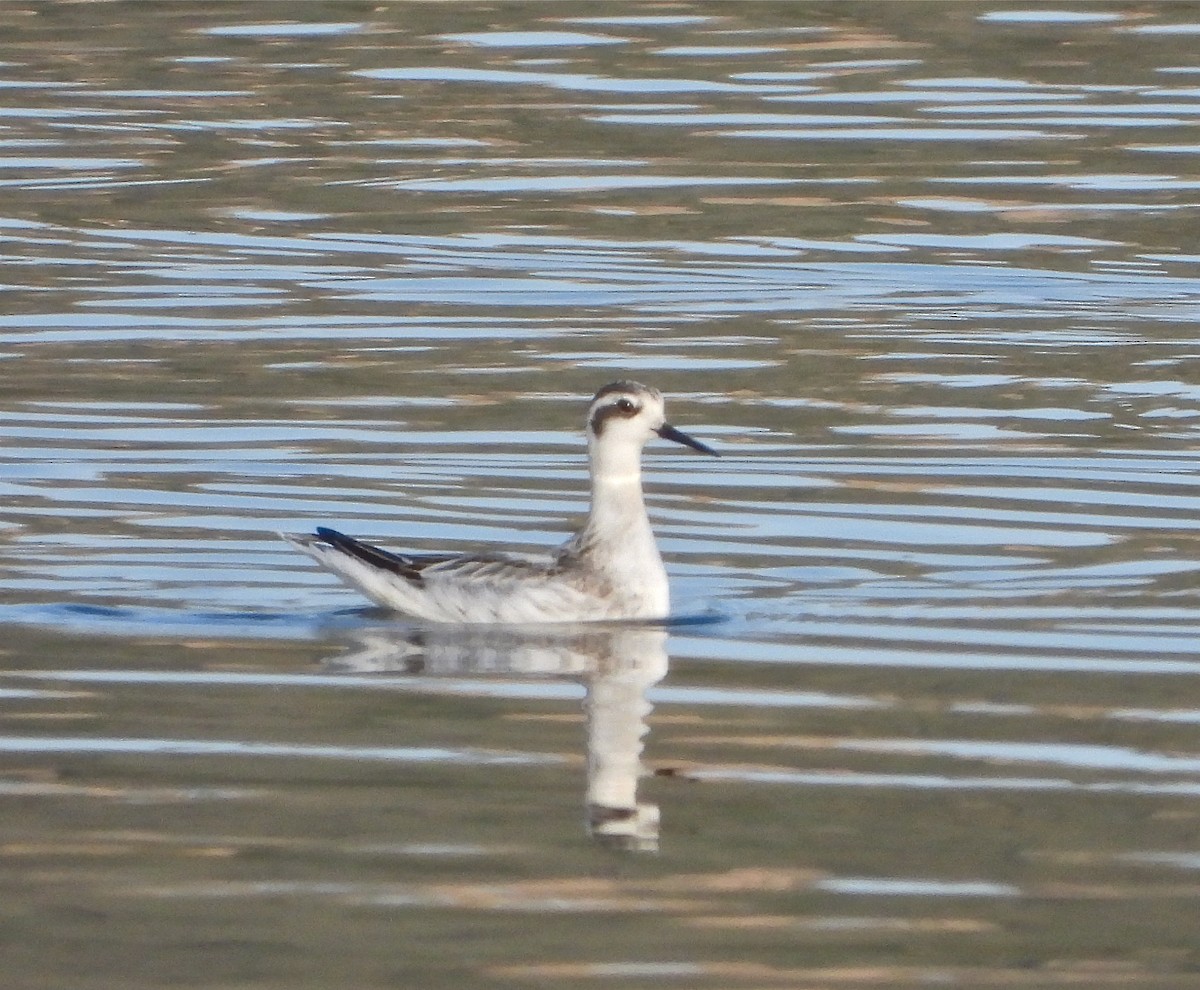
[609,570]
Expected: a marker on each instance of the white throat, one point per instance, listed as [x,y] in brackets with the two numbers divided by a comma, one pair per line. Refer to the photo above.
[615,462]
[618,509]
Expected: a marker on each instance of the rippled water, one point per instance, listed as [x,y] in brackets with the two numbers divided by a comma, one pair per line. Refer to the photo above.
[925,273]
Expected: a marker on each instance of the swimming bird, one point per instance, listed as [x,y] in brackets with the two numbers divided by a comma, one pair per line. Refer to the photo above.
[609,570]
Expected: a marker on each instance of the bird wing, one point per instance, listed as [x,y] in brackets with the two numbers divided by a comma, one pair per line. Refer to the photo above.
[472,588]
[489,568]
[491,587]
[483,567]
[404,565]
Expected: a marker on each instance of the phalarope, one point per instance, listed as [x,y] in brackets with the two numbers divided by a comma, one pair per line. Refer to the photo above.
[610,569]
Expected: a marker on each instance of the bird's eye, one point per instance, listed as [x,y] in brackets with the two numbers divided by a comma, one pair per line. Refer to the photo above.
[625,405]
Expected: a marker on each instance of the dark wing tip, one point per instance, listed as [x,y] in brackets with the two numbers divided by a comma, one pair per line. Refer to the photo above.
[383,559]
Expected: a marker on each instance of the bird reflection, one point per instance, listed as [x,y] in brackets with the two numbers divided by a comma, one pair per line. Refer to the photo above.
[615,664]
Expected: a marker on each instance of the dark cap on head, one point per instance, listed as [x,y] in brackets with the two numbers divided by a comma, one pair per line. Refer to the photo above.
[624,385]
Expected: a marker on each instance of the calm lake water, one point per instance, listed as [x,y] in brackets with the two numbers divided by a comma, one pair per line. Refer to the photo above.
[928,276]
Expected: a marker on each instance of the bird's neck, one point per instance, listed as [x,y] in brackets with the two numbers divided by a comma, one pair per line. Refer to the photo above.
[617,502]
[617,537]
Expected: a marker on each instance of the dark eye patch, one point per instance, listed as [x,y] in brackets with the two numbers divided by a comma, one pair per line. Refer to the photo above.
[623,408]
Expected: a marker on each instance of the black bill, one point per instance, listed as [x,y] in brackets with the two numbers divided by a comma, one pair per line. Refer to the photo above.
[668,432]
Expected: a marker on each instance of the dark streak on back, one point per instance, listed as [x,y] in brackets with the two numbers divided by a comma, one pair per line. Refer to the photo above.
[383,559]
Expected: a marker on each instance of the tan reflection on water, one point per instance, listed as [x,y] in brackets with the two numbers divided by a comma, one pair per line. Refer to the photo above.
[617,666]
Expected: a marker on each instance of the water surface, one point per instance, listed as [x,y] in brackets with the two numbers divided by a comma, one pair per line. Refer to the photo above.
[926,274]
